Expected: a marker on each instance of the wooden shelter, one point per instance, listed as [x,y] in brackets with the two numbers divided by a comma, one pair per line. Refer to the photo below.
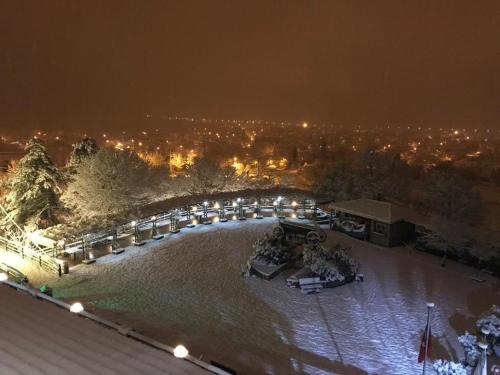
[382,223]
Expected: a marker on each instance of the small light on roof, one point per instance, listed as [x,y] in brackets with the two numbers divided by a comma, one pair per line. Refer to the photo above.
[76,308]
[180,351]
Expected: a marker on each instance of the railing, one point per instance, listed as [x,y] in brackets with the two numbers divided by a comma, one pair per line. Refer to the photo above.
[197,210]
[41,258]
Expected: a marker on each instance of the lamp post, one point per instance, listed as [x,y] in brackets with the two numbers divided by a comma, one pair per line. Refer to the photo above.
[173,222]
[114,242]
[235,204]
[205,214]
[222,213]
[188,218]
[137,234]
[83,248]
[303,216]
[154,231]
[241,210]
[482,364]
[430,305]
[258,210]
[281,214]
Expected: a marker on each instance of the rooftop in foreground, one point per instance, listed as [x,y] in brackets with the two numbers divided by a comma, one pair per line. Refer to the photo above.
[39,337]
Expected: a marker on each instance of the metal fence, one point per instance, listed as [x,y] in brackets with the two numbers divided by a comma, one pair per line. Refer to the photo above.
[195,211]
[45,260]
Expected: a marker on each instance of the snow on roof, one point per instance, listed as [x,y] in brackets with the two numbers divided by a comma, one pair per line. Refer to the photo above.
[371,209]
[38,337]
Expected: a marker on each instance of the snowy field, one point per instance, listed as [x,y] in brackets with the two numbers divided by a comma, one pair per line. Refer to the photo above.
[187,289]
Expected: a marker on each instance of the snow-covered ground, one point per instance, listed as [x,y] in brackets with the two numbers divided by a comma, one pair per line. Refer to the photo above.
[187,289]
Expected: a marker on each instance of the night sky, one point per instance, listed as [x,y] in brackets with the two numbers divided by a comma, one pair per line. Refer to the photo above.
[103,64]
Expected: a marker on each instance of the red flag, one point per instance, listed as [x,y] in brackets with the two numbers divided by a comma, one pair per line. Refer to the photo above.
[421,353]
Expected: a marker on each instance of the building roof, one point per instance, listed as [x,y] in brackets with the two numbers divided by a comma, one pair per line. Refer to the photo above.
[39,337]
[371,209]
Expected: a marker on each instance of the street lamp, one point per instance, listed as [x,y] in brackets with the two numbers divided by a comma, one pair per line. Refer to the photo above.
[258,213]
[188,217]
[303,216]
[154,231]
[205,214]
[280,208]
[241,210]
[173,222]
[137,234]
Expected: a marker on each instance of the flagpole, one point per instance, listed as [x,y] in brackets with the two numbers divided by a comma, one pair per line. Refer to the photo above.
[430,305]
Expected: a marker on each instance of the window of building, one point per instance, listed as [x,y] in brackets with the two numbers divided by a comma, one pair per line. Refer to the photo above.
[380,228]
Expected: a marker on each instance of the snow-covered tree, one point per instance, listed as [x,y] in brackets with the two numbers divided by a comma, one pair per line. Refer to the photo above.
[33,187]
[449,195]
[333,264]
[381,175]
[204,176]
[373,175]
[471,350]
[81,150]
[445,367]
[108,184]
[271,251]
[338,183]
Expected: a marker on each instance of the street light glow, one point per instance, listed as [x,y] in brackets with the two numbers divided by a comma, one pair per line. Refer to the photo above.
[180,351]
[76,308]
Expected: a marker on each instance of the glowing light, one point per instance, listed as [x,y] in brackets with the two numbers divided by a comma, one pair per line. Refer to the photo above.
[205,203]
[91,255]
[180,351]
[76,308]
[133,223]
[305,125]
[294,204]
[216,205]
[3,276]
[194,208]
[235,204]
[455,132]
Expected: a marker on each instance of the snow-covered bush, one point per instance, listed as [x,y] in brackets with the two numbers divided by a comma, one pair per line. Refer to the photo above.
[271,251]
[444,367]
[491,322]
[331,264]
[472,353]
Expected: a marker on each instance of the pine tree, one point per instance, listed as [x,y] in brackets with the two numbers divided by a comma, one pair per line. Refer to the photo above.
[33,187]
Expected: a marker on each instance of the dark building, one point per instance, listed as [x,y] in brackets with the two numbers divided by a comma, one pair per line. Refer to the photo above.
[379,222]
